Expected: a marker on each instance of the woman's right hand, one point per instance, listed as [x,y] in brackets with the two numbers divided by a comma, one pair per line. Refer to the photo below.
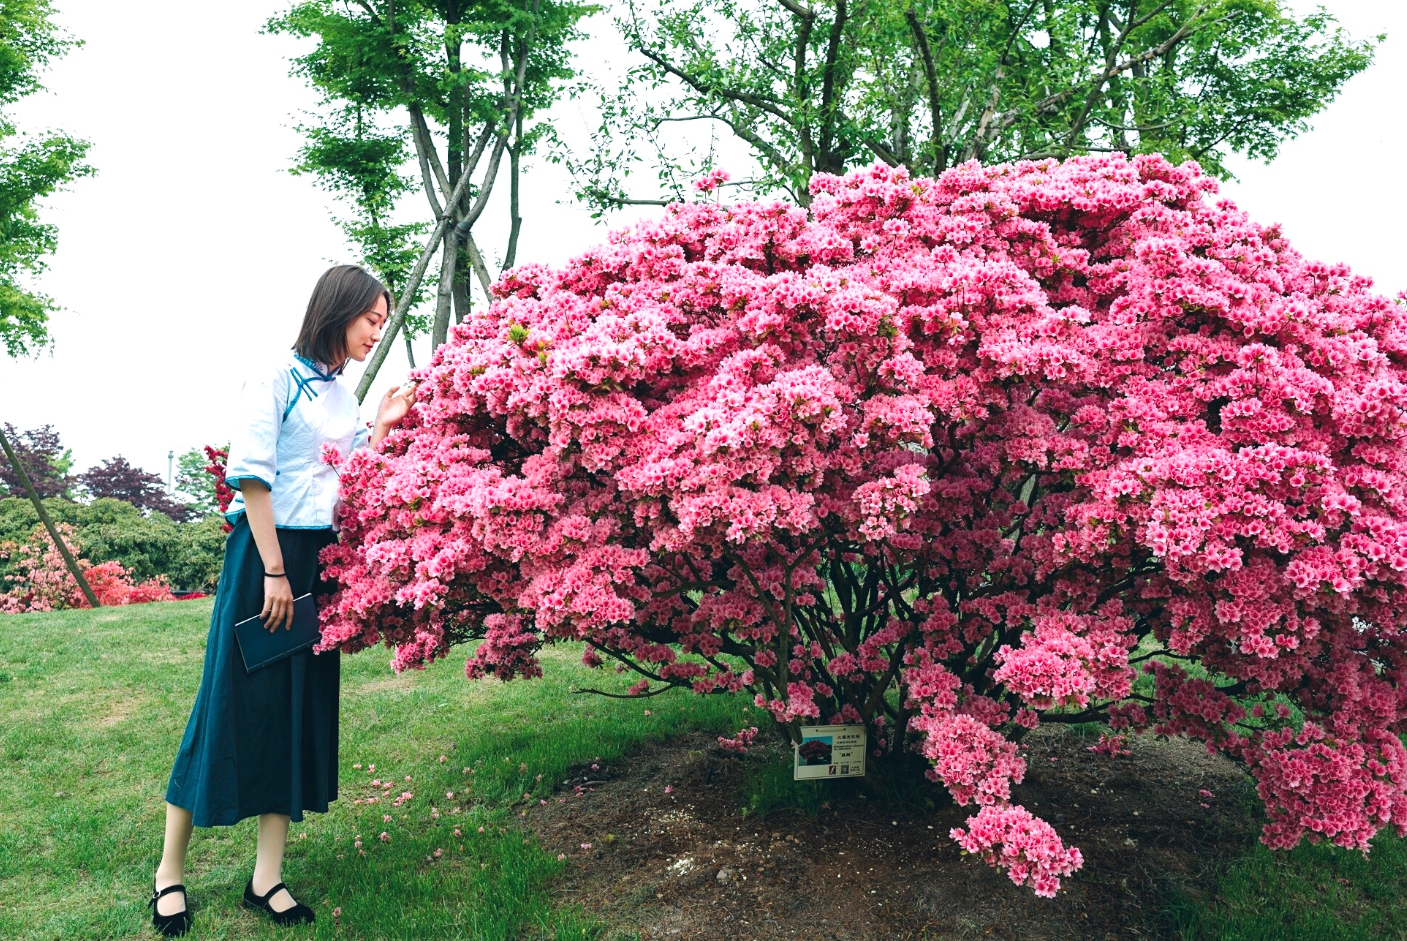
[278,603]
[395,404]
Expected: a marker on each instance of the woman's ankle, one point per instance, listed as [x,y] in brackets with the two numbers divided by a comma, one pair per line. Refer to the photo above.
[263,882]
[169,875]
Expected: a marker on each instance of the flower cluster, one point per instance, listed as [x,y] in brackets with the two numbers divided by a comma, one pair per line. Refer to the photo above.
[40,581]
[939,456]
[219,459]
[1025,846]
[740,743]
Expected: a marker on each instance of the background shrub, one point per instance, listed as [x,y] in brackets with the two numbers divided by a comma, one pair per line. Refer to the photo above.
[188,554]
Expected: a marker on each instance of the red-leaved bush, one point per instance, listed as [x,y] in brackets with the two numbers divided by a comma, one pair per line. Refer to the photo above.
[1031,443]
[39,580]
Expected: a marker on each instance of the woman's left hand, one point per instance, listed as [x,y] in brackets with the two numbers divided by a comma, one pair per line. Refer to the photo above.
[395,404]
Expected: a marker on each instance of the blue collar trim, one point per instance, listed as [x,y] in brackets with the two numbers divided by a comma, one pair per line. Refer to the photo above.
[306,383]
[322,372]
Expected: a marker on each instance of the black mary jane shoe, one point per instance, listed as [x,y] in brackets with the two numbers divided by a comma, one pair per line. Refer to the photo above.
[299,914]
[171,926]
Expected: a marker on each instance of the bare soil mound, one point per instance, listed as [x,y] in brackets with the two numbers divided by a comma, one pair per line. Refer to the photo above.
[688,863]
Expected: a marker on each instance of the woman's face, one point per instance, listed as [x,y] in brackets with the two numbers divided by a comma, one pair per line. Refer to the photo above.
[365,330]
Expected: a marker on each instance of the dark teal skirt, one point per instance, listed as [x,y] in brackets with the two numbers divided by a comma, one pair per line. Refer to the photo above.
[262,742]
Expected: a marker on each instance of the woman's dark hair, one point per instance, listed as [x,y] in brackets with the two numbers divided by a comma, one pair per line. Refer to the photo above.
[342,295]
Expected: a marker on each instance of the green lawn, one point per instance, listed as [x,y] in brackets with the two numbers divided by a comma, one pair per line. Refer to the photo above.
[1312,893]
[92,705]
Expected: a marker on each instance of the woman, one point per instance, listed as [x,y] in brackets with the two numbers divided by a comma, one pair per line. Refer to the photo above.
[265,743]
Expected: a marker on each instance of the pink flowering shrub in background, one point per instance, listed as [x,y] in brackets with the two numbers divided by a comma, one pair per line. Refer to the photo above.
[948,457]
[39,580]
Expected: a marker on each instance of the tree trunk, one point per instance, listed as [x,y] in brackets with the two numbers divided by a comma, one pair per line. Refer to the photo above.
[461,286]
[69,560]
[445,296]
[514,219]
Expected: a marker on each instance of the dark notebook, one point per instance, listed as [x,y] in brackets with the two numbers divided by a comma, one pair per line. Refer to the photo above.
[261,646]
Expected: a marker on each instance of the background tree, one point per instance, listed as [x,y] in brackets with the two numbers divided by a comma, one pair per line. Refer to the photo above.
[824,86]
[44,457]
[463,83]
[116,479]
[31,167]
[195,482]
[361,164]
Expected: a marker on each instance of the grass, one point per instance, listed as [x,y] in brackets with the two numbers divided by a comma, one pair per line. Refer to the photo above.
[1317,892]
[94,703]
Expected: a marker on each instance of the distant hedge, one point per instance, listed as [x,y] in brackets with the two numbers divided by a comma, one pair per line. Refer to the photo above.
[188,554]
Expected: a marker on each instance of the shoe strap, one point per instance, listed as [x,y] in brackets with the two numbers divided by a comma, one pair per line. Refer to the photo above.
[264,899]
[162,893]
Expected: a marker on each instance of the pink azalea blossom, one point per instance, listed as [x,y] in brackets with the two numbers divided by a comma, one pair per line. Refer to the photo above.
[1010,838]
[944,451]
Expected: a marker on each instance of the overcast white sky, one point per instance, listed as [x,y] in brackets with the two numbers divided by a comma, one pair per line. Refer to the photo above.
[190,255]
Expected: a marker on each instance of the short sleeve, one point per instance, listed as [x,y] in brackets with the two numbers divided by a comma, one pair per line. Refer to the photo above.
[254,445]
[362,436]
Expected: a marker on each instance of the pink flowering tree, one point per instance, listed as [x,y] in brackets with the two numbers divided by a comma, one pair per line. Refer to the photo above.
[39,580]
[947,457]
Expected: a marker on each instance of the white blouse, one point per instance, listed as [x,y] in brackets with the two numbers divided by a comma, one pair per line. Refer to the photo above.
[287,414]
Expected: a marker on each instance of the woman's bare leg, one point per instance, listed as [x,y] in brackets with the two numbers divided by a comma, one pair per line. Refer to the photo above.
[172,870]
[268,864]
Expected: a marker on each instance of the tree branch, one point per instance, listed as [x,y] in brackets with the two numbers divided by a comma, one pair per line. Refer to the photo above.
[515,219]
[1050,102]
[930,70]
[370,10]
[476,261]
[408,291]
[425,148]
[595,192]
[69,561]
[444,294]
[805,13]
[747,98]
[828,95]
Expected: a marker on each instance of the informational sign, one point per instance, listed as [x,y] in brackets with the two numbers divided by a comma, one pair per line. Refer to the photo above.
[830,751]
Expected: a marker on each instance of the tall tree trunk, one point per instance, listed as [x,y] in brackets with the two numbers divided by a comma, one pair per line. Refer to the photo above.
[455,127]
[409,351]
[461,286]
[28,485]
[444,297]
[515,220]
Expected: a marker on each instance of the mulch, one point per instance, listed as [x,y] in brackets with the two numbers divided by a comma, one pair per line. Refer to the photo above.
[690,864]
